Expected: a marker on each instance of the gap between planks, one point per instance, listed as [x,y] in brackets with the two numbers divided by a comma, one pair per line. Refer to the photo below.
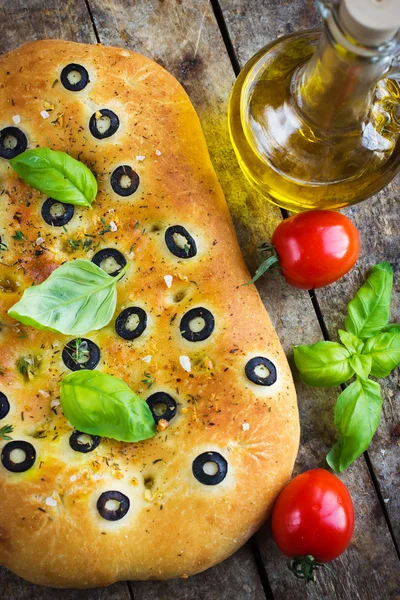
[262,571]
[130,590]
[93,24]
[236,67]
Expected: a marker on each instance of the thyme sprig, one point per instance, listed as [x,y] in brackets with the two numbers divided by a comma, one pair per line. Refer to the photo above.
[5,431]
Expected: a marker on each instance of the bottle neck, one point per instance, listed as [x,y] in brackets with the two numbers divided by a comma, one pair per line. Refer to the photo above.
[334,89]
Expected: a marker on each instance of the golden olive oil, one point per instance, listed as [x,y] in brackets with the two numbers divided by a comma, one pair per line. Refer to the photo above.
[314,124]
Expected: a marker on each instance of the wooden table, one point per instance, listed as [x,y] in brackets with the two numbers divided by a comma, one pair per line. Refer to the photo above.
[204,45]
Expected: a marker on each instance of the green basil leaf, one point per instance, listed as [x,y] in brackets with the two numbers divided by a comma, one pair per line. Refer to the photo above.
[384,351]
[101,404]
[368,312]
[353,344]
[57,175]
[78,297]
[361,365]
[357,416]
[324,364]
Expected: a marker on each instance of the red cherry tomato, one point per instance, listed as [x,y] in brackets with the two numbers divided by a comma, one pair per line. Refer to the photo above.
[316,248]
[313,515]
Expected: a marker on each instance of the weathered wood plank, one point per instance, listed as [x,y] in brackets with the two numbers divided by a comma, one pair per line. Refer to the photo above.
[15,588]
[236,578]
[27,20]
[252,25]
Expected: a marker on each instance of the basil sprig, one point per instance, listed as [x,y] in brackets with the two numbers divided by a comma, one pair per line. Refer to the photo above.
[76,298]
[57,175]
[101,404]
[370,347]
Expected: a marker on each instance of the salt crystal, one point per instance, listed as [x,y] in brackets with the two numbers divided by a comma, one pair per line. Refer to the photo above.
[39,241]
[44,393]
[16,119]
[44,114]
[386,500]
[158,153]
[147,358]
[50,501]
[168,280]
[245,426]
[73,478]
[113,226]
[54,403]
[140,158]
[185,363]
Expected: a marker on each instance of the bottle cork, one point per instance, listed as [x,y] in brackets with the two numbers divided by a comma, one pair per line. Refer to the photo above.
[370,22]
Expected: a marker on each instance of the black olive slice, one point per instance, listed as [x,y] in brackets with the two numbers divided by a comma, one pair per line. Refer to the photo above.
[74,77]
[112,497]
[131,323]
[162,406]
[57,213]
[210,468]
[12,142]
[27,454]
[4,405]
[197,324]
[78,443]
[110,260]
[81,353]
[105,125]
[261,371]
[180,242]
[124,180]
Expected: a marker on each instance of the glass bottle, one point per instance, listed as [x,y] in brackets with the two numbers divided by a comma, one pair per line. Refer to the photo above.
[314,117]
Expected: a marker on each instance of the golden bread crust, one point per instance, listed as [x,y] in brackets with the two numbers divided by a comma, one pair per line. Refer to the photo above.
[50,530]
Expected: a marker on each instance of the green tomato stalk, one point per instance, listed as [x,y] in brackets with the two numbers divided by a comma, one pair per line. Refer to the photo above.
[303,567]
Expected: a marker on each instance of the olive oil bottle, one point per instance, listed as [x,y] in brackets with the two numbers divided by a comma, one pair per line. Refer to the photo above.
[314,117]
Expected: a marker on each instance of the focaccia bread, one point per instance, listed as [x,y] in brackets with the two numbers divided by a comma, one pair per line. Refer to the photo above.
[77,511]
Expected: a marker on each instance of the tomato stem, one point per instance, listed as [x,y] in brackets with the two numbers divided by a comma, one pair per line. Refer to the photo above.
[303,567]
[267,263]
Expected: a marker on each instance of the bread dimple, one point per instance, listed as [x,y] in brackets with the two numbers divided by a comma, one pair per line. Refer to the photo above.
[51,530]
